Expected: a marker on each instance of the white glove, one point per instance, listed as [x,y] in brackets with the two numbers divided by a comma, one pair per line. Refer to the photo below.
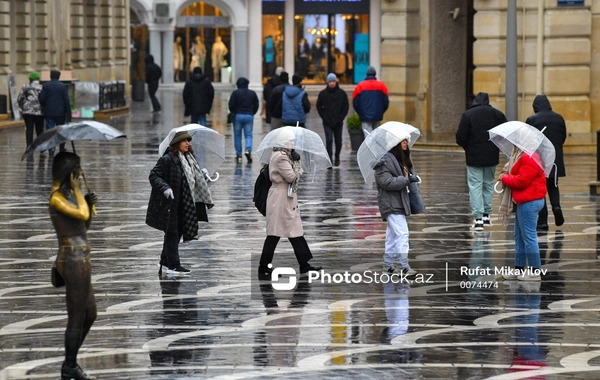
[168,194]
[206,175]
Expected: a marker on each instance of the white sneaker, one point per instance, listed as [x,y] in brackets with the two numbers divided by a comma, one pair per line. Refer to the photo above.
[477,225]
[509,277]
[407,271]
[487,221]
[389,270]
[529,277]
[530,286]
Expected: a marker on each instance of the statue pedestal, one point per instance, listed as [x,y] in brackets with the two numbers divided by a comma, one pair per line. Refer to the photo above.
[225,74]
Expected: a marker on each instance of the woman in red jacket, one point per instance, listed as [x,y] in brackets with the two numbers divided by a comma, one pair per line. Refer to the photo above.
[527,182]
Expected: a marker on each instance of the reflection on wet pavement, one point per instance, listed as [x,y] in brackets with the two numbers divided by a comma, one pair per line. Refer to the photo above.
[222,322]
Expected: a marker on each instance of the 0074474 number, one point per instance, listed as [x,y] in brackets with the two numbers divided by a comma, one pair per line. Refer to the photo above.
[478,284]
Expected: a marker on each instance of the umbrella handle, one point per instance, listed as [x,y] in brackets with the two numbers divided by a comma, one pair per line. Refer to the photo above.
[214,180]
[496,188]
[87,186]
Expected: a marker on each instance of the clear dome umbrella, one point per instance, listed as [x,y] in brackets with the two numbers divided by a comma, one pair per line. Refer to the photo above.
[527,138]
[379,142]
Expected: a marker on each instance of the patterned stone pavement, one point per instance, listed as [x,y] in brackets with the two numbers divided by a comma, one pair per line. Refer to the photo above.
[221,322]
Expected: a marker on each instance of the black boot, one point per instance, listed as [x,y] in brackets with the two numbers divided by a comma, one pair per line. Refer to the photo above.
[307,268]
[73,373]
[559,219]
[264,273]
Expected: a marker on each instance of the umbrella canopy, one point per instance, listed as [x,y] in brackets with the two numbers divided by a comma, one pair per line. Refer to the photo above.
[80,130]
[208,145]
[527,138]
[379,142]
[306,142]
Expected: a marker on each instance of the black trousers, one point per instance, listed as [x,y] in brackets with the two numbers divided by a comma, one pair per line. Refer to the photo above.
[554,196]
[332,133]
[301,250]
[152,88]
[170,252]
[32,121]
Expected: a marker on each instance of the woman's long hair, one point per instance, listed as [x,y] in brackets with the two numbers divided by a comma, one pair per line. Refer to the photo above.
[403,157]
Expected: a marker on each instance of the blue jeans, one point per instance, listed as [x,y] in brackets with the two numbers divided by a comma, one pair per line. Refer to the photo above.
[244,122]
[51,122]
[527,249]
[481,189]
[199,118]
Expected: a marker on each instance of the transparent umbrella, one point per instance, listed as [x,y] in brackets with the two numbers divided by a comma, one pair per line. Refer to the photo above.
[527,138]
[307,143]
[208,145]
[379,142]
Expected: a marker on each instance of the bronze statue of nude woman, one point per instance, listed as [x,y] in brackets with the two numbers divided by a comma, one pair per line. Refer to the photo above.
[71,215]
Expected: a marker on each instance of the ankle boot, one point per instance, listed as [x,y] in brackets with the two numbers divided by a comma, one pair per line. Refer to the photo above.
[559,220]
[74,373]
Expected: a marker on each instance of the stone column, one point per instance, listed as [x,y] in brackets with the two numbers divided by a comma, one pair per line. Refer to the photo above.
[155,42]
[375,35]
[255,46]
[166,58]
[121,37]
[78,43]
[240,53]
[22,36]
[288,37]
[5,47]
[107,32]
[92,33]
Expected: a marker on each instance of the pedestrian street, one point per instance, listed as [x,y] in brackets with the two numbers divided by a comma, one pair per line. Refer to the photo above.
[222,322]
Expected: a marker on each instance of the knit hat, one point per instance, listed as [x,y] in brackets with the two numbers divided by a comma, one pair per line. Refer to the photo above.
[296,79]
[279,70]
[34,75]
[371,71]
[284,77]
[331,77]
[179,137]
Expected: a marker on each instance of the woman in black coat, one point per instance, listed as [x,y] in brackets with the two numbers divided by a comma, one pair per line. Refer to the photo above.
[173,208]
[554,128]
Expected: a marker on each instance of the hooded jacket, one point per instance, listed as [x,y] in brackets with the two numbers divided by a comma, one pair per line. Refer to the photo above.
[243,101]
[153,71]
[294,105]
[392,187]
[556,130]
[472,134]
[370,99]
[54,98]
[198,95]
[333,106]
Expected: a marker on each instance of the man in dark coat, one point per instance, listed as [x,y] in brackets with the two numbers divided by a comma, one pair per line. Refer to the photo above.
[268,90]
[553,126]
[153,75]
[54,99]
[274,105]
[333,106]
[481,154]
[243,103]
[198,95]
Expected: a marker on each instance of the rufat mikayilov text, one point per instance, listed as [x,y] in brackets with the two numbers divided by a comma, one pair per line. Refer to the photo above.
[500,271]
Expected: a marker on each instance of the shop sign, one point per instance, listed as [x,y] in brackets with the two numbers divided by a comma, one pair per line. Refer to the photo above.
[212,21]
[563,3]
[331,6]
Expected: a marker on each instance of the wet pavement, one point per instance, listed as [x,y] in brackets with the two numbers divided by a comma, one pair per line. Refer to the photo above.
[221,322]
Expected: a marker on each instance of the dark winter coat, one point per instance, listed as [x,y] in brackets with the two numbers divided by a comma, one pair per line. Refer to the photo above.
[243,101]
[270,86]
[54,99]
[392,187]
[556,130]
[153,71]
[333,106]
[167,174]
[274,105]
[198,95]
[472,133]
[370,99]
[295,105]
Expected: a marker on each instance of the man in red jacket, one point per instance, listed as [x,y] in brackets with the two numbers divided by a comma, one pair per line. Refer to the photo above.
[370,100]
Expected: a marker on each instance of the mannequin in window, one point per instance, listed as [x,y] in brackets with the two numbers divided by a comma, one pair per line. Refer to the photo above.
[198,54]
[218,53]
[318,53]
[177,58]
[303,54]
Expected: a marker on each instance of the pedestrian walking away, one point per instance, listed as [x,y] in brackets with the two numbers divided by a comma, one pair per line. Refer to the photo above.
[153,75]
[553,126]
[198,96]
[294,103]
[283,214]
[54,100]
[243,103]
[29,103]
[268,91]
[274,104]
[482,156]
[370,100]
[179,198]
[393,174]
[70,212]
[333,106]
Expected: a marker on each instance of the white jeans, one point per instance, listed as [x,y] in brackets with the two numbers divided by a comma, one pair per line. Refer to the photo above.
[396,241]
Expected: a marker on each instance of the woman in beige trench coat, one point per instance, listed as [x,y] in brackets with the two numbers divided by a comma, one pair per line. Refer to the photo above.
[283,214]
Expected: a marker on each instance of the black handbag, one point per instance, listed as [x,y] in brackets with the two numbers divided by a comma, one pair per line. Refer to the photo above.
[230,117]
[55,277]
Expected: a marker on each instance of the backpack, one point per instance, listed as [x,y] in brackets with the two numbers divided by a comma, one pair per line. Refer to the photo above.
[261,190]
